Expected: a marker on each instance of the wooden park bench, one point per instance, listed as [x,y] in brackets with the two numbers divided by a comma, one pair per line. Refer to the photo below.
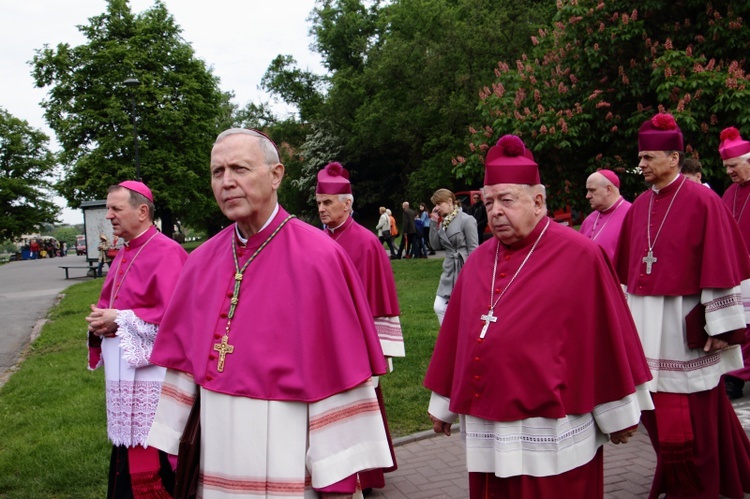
[91,270]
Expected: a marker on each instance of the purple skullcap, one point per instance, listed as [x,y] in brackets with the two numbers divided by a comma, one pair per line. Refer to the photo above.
[138,187]
[611,176]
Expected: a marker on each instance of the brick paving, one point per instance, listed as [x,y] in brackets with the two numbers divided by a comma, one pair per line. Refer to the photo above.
[434,466]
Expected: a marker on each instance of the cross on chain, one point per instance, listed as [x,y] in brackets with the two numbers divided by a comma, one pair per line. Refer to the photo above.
[490,317]
[223,348]
[649,260]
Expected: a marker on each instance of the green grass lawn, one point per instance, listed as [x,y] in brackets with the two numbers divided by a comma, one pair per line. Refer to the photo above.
[53,438]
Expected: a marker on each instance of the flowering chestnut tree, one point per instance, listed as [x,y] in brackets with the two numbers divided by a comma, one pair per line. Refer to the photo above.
[599,70]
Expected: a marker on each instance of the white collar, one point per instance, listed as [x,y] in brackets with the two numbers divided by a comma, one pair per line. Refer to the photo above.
[268,222]
[672,182]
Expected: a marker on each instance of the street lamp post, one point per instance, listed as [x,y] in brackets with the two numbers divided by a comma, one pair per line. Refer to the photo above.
[134,82]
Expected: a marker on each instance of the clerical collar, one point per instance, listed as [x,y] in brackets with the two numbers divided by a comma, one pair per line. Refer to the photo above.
[657,191]
[135,239]
[333,230]
[614,205]
[531,238]
[244,240]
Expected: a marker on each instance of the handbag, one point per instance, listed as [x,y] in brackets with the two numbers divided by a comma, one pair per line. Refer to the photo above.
[189,455]
[112,252]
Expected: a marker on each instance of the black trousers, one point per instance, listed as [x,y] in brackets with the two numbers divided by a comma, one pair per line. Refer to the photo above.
[389,240]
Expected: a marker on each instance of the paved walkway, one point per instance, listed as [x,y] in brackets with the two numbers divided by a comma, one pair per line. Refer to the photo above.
[28,289]
[434,466]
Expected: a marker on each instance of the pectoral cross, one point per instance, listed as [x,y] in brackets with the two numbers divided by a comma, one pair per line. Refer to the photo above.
[223,348]
[487,319]
[649,260]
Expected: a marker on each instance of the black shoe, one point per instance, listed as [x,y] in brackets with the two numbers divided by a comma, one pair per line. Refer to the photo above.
[734,387]
[366,492]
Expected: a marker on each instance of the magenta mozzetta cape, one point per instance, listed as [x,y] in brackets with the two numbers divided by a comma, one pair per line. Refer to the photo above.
[736,199]
[149,282]
[373,266]
[302,330]
[699,234]
[564,341]
[607,225]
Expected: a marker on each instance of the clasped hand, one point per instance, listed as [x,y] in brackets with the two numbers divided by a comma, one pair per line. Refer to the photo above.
[102,321]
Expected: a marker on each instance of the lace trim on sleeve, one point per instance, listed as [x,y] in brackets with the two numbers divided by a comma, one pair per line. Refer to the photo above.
[136,338]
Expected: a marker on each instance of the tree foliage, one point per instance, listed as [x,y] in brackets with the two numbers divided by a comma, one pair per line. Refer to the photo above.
[26,167]
[295,86]
[402,87]
[179,110]
[65,233]
[599,70]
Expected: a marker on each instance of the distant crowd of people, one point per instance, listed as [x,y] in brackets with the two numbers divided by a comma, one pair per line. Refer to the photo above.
[45,249]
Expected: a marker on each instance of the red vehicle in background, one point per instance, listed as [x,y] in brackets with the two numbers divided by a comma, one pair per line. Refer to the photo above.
[80,244]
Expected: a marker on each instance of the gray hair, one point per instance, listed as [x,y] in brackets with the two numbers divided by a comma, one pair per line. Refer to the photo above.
[267,147]
[533,190]
[344,197]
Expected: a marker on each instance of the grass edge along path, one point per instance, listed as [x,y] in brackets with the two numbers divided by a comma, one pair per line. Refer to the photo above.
[53,437]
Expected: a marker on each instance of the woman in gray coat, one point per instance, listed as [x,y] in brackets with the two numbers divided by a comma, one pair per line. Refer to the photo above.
[456,234]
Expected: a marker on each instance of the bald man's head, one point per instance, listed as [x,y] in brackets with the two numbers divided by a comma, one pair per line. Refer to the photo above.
[601,192]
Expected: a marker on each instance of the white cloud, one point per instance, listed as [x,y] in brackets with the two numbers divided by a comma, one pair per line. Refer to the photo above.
[237,38]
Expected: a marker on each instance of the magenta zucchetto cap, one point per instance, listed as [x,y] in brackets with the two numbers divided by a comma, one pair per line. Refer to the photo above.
[611,176]
[138,187]
[660,133]
[333,179]
[731,144]
[509,162]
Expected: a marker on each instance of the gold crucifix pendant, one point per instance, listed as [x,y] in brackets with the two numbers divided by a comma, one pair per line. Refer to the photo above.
[223,348]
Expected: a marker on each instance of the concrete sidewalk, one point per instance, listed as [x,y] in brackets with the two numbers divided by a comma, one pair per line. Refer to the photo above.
[434,466]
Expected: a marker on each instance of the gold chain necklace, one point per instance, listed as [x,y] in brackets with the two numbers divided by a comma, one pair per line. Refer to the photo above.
[224,347]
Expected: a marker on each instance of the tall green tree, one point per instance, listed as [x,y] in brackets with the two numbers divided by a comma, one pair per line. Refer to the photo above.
[601,68]
[421,84]
[301,88]
[179,110]
[402,86]
[26,169]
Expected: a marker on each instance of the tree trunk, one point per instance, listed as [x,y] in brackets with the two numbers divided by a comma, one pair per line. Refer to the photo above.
[167,222]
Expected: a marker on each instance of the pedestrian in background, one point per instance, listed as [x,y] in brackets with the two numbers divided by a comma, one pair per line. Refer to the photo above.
[455,232]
